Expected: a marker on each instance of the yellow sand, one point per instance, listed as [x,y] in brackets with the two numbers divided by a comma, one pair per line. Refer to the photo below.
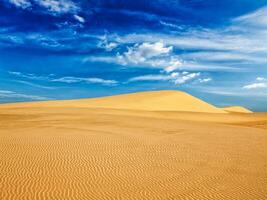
[237,109]
[69,150]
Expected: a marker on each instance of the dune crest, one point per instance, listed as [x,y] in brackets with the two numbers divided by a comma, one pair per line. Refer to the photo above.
[237,109]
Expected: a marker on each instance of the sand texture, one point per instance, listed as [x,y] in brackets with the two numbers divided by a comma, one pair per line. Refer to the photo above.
[96,149]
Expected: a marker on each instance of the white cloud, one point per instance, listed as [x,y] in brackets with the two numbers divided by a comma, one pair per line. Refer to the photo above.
[151,77]
[235,43]
[204,80]
[58,6]
[181,79]
[54,7]
[21,3]
[255,86]
[260,83]
[30,76]
[35,85]
[225,91]
[172,65]
[140,53]
[171,25]
[260,79]
[256,18]
[67,79]
[79,18]
[106,44]
[70,79]
[174,77]
[155,55]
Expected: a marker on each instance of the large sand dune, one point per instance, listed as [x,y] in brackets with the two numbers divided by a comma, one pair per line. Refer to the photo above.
[167,100]
[73,150]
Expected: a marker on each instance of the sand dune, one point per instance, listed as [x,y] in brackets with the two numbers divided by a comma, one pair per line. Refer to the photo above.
[71,150]
[237,109]
[166,100]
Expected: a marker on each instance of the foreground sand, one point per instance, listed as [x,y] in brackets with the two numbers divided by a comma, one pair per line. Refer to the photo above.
[70,152]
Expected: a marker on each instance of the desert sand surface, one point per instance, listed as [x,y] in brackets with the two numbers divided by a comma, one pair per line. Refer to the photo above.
[113,148]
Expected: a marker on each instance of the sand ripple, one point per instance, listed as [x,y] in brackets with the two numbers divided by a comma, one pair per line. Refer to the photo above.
[105,156]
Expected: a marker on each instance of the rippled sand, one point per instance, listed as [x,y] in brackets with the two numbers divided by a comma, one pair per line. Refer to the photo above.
[95,153]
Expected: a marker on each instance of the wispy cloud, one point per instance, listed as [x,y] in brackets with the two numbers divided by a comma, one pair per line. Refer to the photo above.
[35,85]
[174,77]
[261,83]
[79,18]
[67,79]
[21,3]
[106,44]
[255,86]
[5,94]
[52,7]
[59,6]
[71,79]
[204,80]
[256,18]
[30,76]
[260,79]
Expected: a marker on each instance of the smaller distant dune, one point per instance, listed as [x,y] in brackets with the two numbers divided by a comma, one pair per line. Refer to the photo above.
[237,109]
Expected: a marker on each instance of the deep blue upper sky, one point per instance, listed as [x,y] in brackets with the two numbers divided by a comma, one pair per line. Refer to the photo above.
[63,49]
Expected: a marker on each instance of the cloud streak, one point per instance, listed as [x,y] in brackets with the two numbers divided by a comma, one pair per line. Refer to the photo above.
[21,3]
[71,79]
[175,77]
[66,79]
[7,94]
[261,83]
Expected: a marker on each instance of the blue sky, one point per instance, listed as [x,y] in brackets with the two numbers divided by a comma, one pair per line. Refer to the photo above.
[65,49]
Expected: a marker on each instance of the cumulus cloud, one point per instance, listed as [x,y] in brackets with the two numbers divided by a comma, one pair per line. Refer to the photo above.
[70,79]
[155,55]
[141,52]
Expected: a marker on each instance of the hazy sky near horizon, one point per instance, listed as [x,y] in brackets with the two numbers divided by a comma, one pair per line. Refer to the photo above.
[64,49]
